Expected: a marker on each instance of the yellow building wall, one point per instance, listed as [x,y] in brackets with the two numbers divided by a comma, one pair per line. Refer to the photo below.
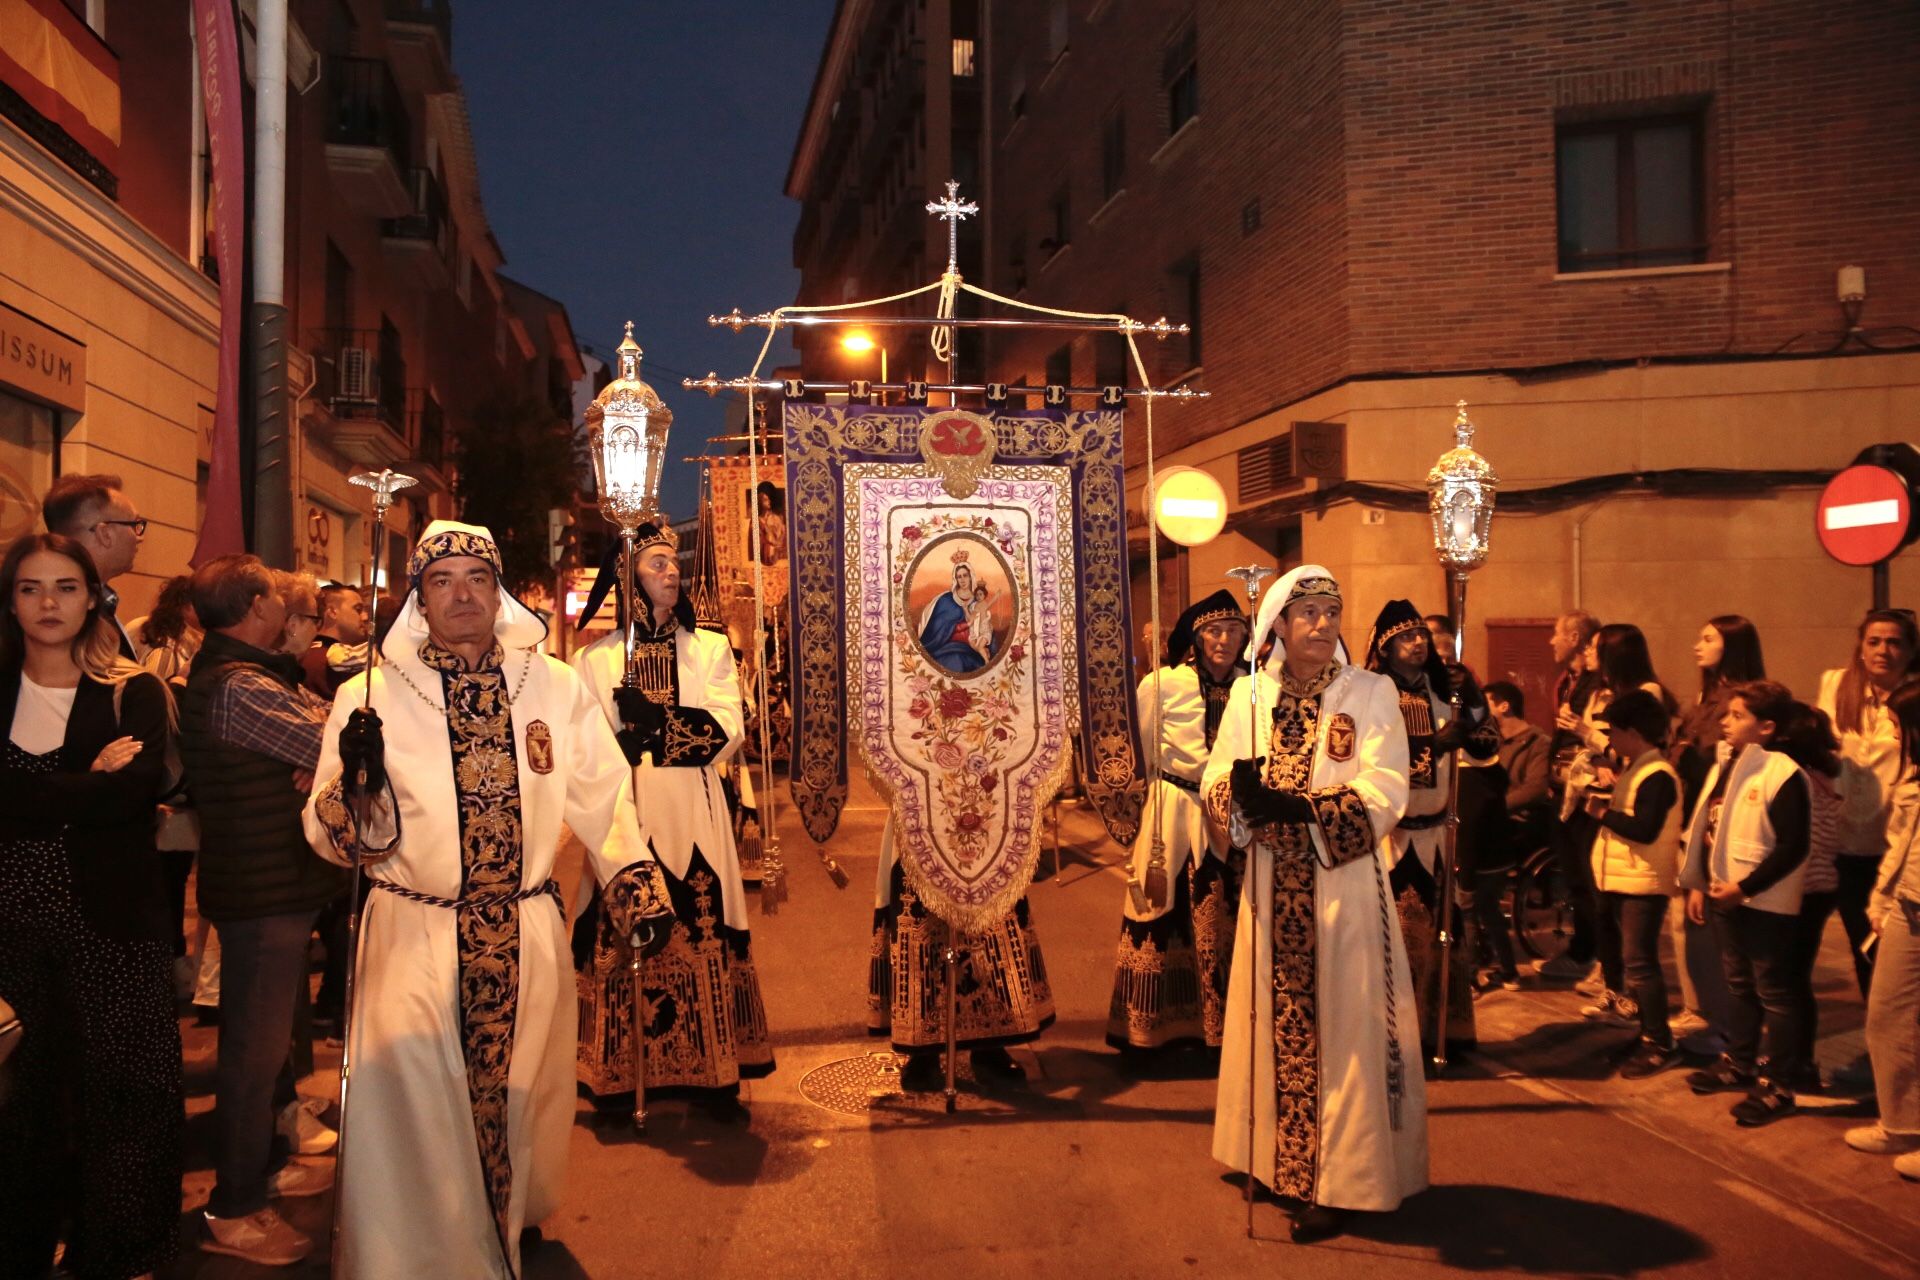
[75,262]
[1665,564]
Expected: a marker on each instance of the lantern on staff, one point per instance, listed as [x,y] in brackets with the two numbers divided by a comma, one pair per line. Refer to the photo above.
[1460,494]
[627,435]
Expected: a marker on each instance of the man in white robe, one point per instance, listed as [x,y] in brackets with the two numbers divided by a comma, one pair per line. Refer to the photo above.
[1176,940]
[462,1031]
[1320,1034]
[679,721]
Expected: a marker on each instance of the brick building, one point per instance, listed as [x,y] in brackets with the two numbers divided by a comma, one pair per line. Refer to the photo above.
[896,111]
[1613,230]
[400,325]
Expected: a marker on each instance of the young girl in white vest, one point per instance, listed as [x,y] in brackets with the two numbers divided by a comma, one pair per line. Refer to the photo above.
[1745,866]
[1636,855]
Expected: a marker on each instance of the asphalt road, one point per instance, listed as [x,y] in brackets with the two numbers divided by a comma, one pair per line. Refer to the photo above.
[1541,1162]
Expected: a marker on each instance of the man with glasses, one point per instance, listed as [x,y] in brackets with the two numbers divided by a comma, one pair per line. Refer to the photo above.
[93,510]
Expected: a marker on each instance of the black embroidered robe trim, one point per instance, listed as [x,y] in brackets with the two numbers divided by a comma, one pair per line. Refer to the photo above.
[1002,994]
[692,738]
[486,779]
[1170,983]
[706,1020]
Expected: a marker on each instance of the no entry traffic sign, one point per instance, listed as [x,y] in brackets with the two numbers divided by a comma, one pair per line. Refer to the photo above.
[1864,515]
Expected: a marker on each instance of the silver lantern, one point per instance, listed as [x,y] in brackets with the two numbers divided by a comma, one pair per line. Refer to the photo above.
[627,435]
[1460,494]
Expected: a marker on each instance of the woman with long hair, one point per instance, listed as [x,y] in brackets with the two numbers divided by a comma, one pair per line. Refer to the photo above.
[92,1124]
[1728,655]
[1893,1006]
[1855,698]
[171,634]
[1618,658]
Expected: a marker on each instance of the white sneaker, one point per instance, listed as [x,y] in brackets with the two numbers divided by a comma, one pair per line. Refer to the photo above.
[301,1127]
[1613,1009]
[1908,1166]
[1687,1023]
[1594,986]
[264,1238]
[295,1180]
[1876,1141]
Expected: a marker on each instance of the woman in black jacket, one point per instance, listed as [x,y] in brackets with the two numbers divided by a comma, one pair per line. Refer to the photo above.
[90,1111]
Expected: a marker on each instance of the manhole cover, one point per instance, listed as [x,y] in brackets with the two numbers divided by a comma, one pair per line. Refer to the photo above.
[854,1086]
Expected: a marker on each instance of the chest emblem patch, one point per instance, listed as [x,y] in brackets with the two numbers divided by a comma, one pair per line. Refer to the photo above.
[1340,738]
[540,747]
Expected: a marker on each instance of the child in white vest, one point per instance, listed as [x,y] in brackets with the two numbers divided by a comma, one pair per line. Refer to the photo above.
[1745,864]
[1636,854]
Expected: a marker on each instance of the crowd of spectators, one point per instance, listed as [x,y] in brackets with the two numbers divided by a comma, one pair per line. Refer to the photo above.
[1700,850]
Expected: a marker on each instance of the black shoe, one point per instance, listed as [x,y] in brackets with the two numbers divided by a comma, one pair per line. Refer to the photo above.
[1768,1102]
[996,1066]
[1316,1222]
[1648,1059]
[1724,1076]
[206,1015]
[922,1074]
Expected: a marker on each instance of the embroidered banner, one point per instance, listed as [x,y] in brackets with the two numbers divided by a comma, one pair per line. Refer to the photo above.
[960,613]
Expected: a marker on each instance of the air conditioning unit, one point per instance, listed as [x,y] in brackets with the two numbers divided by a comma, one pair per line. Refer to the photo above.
[357,377]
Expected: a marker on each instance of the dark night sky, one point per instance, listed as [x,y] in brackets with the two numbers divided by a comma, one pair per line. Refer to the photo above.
[632,157]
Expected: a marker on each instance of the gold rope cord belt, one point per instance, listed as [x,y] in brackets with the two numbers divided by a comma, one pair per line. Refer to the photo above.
[477,900]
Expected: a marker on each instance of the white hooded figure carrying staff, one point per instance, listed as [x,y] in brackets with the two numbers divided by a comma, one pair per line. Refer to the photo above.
[477,750]
[1339,1115]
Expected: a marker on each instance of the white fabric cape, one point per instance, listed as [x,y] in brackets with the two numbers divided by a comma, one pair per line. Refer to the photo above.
[1364,1163]
[683,807]
[415,1202]
[1178,723]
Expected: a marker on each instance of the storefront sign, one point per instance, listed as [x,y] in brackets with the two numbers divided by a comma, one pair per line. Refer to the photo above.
[40,364]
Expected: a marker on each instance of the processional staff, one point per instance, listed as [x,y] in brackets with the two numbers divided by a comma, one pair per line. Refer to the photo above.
[627,436]
[1252,575]
[1460,496]
[363,790]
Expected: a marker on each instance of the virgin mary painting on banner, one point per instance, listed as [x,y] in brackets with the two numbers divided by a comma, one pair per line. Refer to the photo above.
[959,608]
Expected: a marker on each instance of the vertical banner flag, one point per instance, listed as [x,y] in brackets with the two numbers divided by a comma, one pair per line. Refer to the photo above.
[222,533]
[960,613]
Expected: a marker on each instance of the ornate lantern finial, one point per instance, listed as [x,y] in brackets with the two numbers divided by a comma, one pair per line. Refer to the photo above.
[1460,496]
[627,435]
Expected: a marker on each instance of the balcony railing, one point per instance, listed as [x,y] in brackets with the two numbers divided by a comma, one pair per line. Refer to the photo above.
[426,427]
[428,221]
[367,109]
[437,14]
[359,374]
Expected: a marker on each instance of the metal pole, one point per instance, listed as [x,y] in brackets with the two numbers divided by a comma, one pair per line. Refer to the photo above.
[953,1022]
[273,453]
[1443,874]
[1252,575]
[639,1040]
[1882,585]
[384,484]
[635,605]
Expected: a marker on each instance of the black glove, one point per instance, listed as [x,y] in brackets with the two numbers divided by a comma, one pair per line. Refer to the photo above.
[1260,803]
[1454,733]
[643,723]
[363,753]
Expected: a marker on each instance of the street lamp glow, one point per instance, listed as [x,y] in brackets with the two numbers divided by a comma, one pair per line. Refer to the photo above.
[1189,506]
[857,342]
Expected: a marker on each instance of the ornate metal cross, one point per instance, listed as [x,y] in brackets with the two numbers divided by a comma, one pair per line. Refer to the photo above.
[950,211]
